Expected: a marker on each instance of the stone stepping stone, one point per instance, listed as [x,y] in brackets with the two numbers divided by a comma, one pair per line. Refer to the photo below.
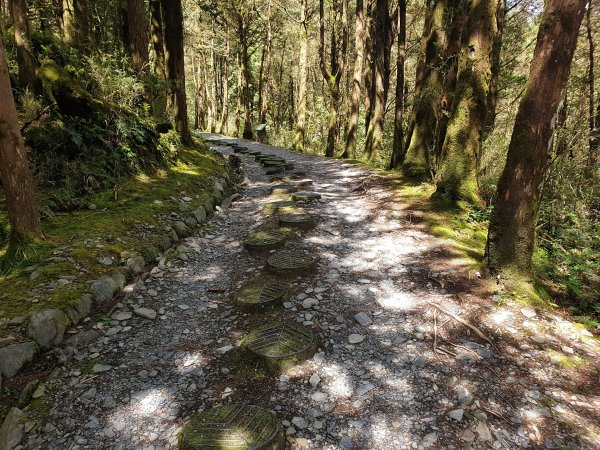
[233,427]
[272,162]
[291,263]
[283,189]
[282,345]
[264,240]
[261,295]
[305,196]
[302,221]
[282,207]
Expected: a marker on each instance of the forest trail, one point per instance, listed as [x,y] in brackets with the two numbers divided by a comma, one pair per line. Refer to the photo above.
[138,384]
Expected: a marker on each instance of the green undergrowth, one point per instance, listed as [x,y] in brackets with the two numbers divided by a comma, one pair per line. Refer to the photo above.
[115,224]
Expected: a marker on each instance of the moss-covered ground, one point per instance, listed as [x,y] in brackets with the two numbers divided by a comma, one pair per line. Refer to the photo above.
[116,226]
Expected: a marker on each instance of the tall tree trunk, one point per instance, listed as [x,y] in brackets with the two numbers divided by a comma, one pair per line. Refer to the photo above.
[244,68]
[398,148]
[511,235]
[25,58]
[381,53]
[158,40]
[173,18]
[333,75]
[266,72]
[457,176]
[436,75]
[369,71]
[68,21]
[224,127]
[350,151]
[492,99]
[137,35]
[593,109]
[82,15]
[299,139]
[14,170]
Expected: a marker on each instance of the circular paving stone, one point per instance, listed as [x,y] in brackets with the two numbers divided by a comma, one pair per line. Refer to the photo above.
[264,240]
[272,162]
[291,263]
[261,295]
[303,221]
[281,207]
[245,427]
[282,345]
[260,158]
[305,196]
[283,189]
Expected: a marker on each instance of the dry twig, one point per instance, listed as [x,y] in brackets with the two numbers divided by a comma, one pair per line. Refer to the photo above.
[465,323]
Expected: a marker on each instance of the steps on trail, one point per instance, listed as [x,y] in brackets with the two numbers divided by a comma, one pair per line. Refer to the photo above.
[261,294]
[283,189]
[301,221]
[291,263]
[282,345]
[264,240]
[281,207]
[233,426]
[305,196]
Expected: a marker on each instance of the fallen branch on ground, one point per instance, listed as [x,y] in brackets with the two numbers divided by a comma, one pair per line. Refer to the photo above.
[465,323]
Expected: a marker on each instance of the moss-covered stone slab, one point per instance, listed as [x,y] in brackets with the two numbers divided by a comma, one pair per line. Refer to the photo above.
[259,158]
[229,427]
[282,345]
[260,295]
[302,221]
[281,207]
[283,189]
[272,162]
[254,153]
[291,263]
[305,196]
[264,240]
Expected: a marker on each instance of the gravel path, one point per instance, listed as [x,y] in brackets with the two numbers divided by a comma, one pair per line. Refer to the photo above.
[379,279]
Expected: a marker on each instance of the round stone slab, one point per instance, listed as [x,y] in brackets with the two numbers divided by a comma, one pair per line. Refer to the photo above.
[283,189]
[264,240]
[273,162]
[281,207]
[245,427]
[291,263]
[261,295]
[305,196]
[281,344]
[303,221]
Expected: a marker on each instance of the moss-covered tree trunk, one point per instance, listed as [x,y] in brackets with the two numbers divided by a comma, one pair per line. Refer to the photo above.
[14,170]
[68,21]
[157,38]
[456,178]
[435,84]
[511,236]
[492,99]
[382,45]
[173,18]
[359,43]
[25,58]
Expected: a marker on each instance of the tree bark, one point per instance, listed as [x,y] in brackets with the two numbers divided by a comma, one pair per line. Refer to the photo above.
[457,176]
[382,44]
[265,71]
[369,71]
[593,109]
[25,58]
[398,147]
[173,18]
[14,171]
[68,21]
[244,68]
[333,75]
[82,15]
[511,235]
[137,35]
[224,127]
[158,39]
[492,100]
[350,151]
[299,139]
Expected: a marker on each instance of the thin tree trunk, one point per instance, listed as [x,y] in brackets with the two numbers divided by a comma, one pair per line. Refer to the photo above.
[299,139]
[351,138]
[238,111]
[511,235]
[593,109]
[265,72]
[398,148]
[68,21]
[224,128]
[25,58]
[173,18]
[14,170]
[369,73]
[82,14]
